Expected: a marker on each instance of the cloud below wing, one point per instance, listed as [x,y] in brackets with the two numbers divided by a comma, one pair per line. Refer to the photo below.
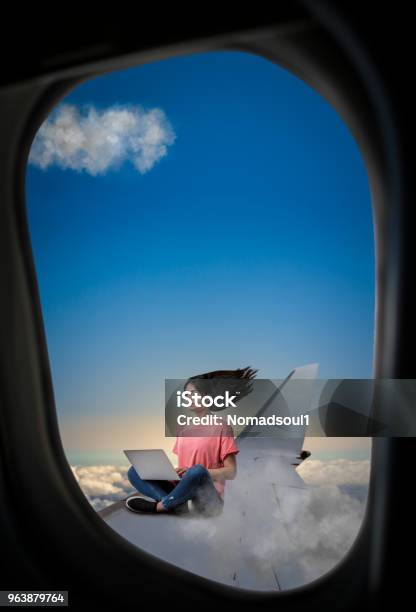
[301,539]
[335,472]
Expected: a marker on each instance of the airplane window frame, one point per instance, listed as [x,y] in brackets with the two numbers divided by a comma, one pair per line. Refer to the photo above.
[378,167]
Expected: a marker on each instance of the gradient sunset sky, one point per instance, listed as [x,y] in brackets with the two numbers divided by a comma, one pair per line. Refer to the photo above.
[203,212]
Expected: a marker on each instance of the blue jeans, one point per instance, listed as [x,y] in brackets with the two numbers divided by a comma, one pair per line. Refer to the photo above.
[196,484]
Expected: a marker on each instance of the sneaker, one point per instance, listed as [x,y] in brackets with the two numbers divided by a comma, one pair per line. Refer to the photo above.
[138,504]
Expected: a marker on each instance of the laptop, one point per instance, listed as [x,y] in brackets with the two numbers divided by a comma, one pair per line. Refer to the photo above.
[152,464]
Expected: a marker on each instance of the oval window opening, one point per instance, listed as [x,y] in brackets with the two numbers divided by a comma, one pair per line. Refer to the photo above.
[200,214]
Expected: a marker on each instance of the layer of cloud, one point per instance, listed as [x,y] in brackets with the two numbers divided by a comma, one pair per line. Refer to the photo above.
[103,484]
[337,472]
[95,141]
[301,534]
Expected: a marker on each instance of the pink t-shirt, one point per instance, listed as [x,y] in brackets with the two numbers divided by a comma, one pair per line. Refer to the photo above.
[209,450]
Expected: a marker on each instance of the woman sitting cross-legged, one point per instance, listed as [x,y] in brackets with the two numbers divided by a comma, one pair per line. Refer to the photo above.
[206,462]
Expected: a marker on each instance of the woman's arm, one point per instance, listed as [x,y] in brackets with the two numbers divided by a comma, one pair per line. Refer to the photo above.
[228,472]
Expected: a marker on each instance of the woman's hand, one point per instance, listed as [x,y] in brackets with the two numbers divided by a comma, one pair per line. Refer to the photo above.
[227,472]
[180,471]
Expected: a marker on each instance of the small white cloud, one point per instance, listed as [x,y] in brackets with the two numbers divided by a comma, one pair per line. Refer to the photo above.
[95,141]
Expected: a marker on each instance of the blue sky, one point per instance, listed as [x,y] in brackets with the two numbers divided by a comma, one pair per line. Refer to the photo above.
[247,240]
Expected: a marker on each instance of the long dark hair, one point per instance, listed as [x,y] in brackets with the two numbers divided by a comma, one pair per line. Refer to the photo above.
[237,382]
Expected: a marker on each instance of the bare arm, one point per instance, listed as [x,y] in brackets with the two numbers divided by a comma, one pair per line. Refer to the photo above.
[228,472]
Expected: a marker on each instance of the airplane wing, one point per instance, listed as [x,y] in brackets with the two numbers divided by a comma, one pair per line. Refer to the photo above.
[238,547]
